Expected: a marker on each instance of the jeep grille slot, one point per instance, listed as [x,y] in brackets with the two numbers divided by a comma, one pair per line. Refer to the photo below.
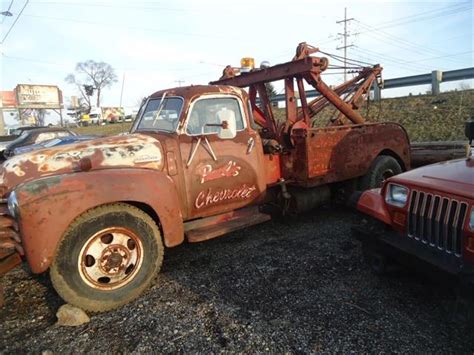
[437,221]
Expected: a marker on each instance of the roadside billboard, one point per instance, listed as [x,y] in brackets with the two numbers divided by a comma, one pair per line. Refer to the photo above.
[38,96]
[112,114]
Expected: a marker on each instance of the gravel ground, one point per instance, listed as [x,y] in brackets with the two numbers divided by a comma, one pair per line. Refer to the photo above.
[296,287]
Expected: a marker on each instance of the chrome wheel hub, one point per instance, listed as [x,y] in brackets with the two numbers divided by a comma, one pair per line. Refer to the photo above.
[110,258]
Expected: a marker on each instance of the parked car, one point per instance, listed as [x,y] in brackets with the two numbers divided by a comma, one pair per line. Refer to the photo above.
[11,134]
[423,217]
[53,143]
[33,136]
[18,131]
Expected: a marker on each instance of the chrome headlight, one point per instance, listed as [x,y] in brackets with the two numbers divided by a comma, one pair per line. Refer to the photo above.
[12,204]
[471,220]
[396,195]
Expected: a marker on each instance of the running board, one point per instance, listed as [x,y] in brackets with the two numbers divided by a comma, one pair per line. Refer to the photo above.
[215,226]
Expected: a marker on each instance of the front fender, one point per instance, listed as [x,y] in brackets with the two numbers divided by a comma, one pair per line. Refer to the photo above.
[372,202]
[48,206]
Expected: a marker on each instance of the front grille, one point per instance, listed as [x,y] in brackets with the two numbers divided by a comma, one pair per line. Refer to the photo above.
[437,221]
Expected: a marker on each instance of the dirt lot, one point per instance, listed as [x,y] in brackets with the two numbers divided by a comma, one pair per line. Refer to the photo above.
[294,287]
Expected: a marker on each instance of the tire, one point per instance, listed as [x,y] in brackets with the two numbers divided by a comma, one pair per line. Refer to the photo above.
[108,256]
[383,167]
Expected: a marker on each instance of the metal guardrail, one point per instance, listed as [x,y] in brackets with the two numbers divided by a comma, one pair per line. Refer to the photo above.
[451,75]
[433,78]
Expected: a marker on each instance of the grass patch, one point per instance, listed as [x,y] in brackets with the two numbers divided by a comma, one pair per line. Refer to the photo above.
[426,117]
[106,130]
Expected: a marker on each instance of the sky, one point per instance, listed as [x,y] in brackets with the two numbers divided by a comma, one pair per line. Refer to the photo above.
[154,45]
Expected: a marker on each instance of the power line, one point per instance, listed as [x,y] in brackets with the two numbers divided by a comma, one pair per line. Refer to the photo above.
[7,11]
[14,22]
[442,56]
[417,16]
[128,69]
[36,61]
[385,58]
[126,27]
[108,5]
[403,21]
[398,42]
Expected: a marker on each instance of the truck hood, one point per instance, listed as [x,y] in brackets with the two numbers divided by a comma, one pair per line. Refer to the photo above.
[125,151]
[453,176]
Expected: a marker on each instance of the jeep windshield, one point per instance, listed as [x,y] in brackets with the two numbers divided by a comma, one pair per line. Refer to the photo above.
[160,117]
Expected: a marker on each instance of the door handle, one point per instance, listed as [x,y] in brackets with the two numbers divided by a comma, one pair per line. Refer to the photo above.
[250,145]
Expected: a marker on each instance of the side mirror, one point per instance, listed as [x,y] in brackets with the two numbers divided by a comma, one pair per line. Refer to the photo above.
[227,124]
[469,130]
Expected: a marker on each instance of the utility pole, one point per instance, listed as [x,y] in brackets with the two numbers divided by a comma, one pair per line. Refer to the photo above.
[345,35]
[121,90]
[179,82]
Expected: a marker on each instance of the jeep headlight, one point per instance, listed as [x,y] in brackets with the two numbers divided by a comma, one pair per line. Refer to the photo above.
[12,204]
[396,195]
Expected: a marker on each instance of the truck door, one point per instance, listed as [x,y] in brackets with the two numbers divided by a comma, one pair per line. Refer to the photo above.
[220,173]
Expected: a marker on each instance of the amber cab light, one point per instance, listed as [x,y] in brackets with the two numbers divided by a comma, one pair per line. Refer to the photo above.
[247,64]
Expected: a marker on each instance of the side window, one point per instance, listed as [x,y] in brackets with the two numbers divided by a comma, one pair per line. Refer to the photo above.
[62,134]
[211,111]
[45,136]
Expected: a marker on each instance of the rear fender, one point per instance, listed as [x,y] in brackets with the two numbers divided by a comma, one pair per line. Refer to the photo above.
[48,206]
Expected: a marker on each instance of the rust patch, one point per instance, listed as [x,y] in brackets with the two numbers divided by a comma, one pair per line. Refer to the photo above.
[135,150]
[38,186]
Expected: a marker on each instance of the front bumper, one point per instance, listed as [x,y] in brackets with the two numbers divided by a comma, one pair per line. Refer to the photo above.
[402,248]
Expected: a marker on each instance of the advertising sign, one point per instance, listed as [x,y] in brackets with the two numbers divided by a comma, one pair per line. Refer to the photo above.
[38,96]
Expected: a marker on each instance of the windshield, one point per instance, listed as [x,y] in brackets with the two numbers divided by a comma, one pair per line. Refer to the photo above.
[164,118]
[16,132]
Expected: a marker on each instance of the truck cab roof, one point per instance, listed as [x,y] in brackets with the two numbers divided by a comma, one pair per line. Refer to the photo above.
[189,92]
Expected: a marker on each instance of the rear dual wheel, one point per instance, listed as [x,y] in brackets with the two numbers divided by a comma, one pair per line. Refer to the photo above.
[383,167]
[107,258]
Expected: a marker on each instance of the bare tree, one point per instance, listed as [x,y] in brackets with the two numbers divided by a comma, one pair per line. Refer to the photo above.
[98,74]
[464,85]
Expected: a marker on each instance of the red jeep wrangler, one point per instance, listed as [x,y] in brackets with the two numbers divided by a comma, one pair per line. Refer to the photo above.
[425,214]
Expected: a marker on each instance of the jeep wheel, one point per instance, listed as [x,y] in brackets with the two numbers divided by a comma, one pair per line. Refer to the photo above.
[107,257]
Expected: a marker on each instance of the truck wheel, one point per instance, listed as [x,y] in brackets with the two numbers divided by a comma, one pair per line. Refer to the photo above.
[383,167]
[107,257]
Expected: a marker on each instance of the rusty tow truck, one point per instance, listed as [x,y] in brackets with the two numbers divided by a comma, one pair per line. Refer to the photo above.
[199,162]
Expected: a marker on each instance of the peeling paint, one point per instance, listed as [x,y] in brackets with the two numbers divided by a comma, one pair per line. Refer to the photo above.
[136,150]
[38,186]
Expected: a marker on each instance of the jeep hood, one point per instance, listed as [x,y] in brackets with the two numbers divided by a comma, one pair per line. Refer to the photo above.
[125,151]
[453,176]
